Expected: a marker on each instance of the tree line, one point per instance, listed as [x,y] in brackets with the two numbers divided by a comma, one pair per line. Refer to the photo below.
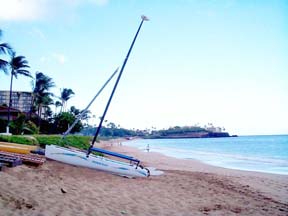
[40,118]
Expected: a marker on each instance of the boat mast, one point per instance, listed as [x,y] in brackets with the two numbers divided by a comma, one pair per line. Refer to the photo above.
[144,18]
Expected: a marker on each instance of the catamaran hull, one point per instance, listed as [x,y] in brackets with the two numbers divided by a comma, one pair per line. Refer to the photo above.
[79,158]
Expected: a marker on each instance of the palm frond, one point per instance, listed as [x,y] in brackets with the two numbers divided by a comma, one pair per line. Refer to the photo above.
[43,82]
[66,94]
[58,103]
[19,65]
[19,62]
[24,72]
[5,48]
[4,66]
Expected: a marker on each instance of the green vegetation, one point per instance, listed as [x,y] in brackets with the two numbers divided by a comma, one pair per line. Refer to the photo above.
[66,94]
[81,142]
[63,120]
[180,130]
[174,132]
[187,132]
[57,125]
[111,132]
[28,140]
[21,125]
[41,98]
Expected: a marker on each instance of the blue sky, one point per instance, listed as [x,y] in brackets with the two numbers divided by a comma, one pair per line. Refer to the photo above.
[195,62]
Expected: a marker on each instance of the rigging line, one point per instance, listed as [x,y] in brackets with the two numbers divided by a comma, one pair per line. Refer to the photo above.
[80,116]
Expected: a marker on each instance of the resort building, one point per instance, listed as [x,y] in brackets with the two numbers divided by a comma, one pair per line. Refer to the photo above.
[4,113]
[20,100]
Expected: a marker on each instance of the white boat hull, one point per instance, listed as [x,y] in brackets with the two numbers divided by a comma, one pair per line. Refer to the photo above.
[79,158]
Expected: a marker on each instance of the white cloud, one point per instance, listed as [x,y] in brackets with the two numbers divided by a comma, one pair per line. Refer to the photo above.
[60,58]
[37,33]
[44,59]
[99,2]
[54,57]
[28,10]
[21,9]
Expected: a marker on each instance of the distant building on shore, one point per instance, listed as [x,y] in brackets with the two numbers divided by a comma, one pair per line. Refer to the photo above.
[20,100]
[214,129]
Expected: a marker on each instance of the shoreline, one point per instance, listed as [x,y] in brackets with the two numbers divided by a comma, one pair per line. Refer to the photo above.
[222,167]
[185,188]
[241,164]
[163,162]
[114,146]
[166,163]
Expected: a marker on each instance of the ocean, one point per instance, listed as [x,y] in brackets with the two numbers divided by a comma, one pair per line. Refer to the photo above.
[268,154]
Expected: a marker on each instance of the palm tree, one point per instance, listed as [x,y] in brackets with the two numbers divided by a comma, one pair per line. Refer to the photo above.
[66,94]
[43,83]
[57,104]
[41,95]
[18,66]
[5,48]
[43,100]
[46,101]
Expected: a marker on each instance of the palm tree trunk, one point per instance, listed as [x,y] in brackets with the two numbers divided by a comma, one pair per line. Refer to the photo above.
[10,102]
[39,116]
[31,106]
[61,110]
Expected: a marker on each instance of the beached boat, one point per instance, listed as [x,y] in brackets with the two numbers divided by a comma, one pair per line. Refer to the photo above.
[79,158]
[86,159]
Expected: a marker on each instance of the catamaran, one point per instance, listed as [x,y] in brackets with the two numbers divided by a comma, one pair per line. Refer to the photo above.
[127,165]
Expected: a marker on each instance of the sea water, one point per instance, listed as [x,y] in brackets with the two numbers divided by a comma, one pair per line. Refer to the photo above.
[267,154]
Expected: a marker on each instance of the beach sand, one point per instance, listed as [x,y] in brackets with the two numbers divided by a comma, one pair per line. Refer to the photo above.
[187,188]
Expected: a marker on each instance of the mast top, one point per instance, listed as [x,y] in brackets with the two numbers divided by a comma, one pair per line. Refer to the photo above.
[145,18]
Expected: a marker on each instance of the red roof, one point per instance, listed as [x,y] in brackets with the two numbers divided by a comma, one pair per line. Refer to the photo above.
[4,109]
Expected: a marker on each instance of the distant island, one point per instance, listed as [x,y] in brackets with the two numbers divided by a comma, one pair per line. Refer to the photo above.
[189,132]
[177,132]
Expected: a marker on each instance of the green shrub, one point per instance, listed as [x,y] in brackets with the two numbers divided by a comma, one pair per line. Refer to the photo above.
[81,142]
[47,139]
[17,126]
[31,128]
[28,140]
[3,124]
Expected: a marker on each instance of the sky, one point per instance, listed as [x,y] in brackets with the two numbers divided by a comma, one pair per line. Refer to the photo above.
[195,62]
